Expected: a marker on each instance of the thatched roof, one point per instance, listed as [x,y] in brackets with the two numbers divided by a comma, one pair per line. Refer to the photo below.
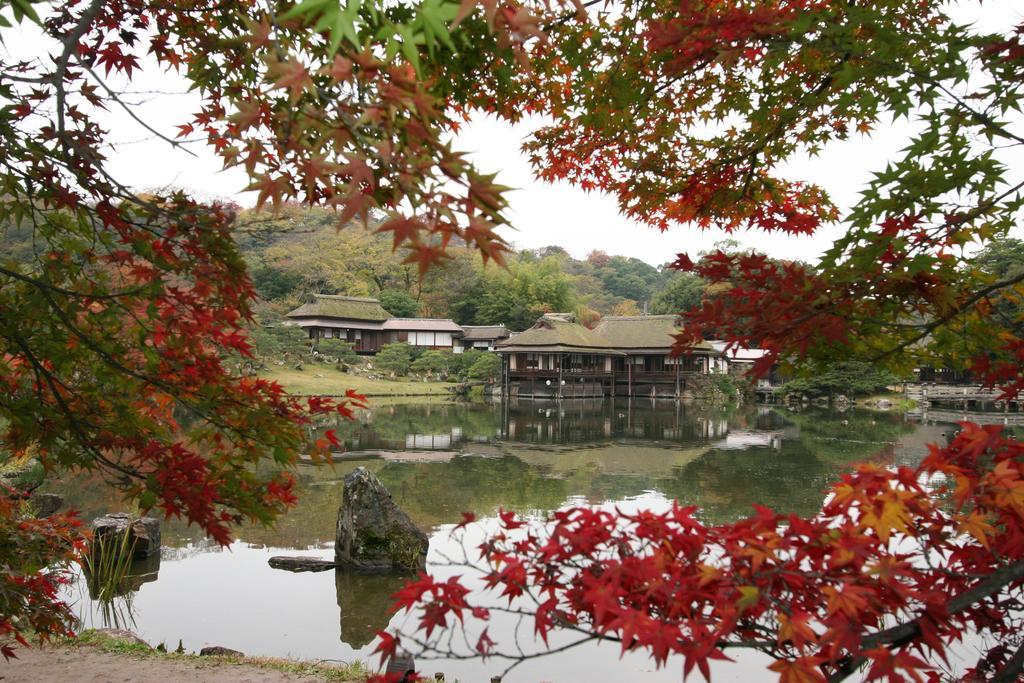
[643,333]
[556,334]
[345,307]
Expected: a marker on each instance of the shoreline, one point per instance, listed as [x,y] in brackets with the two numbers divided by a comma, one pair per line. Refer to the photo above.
[106,655]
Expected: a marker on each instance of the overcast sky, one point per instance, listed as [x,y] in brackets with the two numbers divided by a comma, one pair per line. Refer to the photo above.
[541,214]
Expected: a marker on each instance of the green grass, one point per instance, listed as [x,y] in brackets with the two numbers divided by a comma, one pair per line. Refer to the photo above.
[332,382]
[111,644]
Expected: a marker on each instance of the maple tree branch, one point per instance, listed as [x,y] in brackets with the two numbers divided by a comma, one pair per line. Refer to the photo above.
[939,322]
[71,47]
[569,15]
[131,111]
[73,421]
[903,633]
[39,284]
[1012,669]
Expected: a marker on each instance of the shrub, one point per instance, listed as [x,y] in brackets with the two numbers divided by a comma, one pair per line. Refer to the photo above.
[395,358]
[337,351]
[487,367]
[434,362]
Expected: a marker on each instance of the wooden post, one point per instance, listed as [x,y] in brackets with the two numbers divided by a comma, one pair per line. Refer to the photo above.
[629,376]
[504,376]
[560,363]
[677,380]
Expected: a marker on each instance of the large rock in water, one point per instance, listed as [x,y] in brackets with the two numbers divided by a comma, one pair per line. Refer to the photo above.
[373,534]
[145,532]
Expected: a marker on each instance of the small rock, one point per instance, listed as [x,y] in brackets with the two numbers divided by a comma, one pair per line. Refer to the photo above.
[301,564]
[218,651]
[374,534]
[123,635]
[145,531]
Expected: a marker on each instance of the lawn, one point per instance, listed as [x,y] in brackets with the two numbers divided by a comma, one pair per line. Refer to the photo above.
[325,381]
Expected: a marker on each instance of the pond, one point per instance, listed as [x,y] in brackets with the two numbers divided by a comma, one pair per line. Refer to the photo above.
[441,459]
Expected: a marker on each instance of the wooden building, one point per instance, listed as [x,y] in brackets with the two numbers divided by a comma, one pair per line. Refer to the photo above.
[741,361]
[481,337]
[363,323]
[431,333]
[557,358]
[357,320]
[622,356]
[648,367]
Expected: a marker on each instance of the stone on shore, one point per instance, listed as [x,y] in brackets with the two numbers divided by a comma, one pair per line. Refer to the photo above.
[145,532]
[293,563]
[373,534]
[123,635]
[219,651]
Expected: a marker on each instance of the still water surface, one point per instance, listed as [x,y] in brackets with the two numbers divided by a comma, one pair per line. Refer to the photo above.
[439,460]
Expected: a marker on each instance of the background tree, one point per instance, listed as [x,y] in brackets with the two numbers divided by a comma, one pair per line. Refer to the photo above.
[682,293]
[1001,258]
[849,378]
[529,289]
[399,304]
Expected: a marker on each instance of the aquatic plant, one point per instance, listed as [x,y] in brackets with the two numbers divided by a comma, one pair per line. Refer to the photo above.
[106,563]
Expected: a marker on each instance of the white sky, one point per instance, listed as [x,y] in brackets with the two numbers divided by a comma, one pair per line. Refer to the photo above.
[541,214]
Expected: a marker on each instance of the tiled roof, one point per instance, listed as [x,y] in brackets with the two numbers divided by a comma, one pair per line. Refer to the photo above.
[422,324]
[346,307]
[653,332]
[480,332]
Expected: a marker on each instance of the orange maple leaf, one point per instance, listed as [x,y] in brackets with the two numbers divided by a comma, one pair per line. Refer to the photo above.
[291,75]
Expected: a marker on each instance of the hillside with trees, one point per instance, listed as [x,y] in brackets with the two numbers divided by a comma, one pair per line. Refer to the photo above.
[300,251]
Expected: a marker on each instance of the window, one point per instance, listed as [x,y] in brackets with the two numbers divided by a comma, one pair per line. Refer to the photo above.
[328,333]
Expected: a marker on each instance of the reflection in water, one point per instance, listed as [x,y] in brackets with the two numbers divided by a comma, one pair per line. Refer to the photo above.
[439,460]
[365,605]
[141,571]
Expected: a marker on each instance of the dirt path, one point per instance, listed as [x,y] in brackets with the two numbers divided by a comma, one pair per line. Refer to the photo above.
[85,664]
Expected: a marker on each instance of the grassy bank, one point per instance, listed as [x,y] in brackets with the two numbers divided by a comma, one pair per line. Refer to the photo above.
[898,402]
[113,643]
[324,380]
